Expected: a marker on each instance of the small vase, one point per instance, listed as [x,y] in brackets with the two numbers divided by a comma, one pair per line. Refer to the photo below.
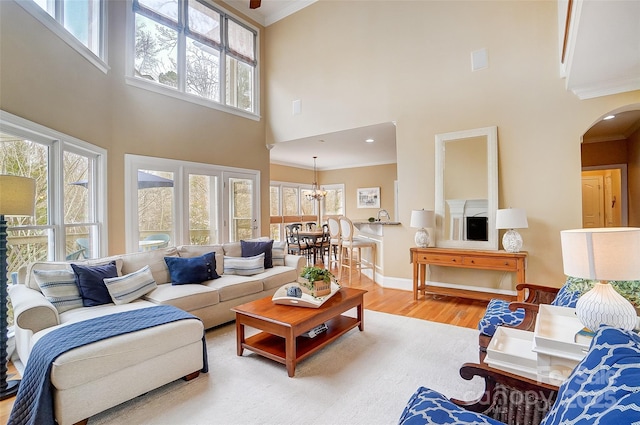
[603,305]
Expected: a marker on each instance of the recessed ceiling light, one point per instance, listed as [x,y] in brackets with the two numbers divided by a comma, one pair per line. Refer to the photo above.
[369,140]
[609,117]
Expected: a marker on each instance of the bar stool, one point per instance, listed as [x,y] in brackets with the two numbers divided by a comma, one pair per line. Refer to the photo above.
[351,250]
[335,239]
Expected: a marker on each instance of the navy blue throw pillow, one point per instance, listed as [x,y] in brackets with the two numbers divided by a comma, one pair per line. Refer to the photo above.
[253,248]
[192,270]
[90,284]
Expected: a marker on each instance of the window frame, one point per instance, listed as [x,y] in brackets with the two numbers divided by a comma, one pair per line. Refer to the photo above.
[279,219]
[100,60]
[180,92]
[181,171]
[58,143]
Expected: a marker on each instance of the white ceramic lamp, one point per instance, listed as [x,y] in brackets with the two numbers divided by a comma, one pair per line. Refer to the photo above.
[422,219]
[603,254]
[511,218]
[17,198]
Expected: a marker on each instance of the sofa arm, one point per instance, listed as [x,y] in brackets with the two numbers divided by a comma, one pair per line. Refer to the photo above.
[31,309]
[296,261]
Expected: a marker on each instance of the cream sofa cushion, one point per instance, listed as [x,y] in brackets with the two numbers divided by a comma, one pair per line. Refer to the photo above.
[232,286]
[187,297]
[94,361]
[154,259]
[278,276]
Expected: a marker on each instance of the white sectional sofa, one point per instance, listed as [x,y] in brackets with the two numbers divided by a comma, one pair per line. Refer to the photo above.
[93,378]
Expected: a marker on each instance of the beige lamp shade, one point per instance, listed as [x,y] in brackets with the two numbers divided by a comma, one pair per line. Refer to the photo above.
[511,218]
[611,253]
[17,195]
[603,254]
[421,219]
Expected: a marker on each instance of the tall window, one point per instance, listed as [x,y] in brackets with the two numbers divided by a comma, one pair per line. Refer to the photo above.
[193,47]
[70,207]
[170,202]
[288,203]
[80,23]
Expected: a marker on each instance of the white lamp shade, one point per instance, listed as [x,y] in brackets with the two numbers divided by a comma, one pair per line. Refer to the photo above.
[17,195]
[421,219]
[511,218]
[611,253]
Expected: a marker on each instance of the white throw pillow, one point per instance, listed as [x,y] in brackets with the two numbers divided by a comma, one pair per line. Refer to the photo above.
[130,287]
[59,287]
[244,266]
[278,251]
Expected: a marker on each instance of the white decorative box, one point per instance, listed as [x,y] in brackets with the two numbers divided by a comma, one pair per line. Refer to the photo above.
[510,350]
[555,333]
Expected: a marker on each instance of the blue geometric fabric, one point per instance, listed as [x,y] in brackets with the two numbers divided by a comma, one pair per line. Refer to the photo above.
[566,297]
[605,386]
[430,407]
[498,314]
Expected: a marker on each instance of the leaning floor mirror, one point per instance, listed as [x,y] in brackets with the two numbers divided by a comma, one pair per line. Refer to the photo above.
[467,189]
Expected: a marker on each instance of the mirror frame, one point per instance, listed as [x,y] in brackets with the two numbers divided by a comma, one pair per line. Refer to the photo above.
[491,133]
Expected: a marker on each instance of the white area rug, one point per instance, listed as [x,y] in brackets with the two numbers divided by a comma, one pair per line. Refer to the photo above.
[361,378]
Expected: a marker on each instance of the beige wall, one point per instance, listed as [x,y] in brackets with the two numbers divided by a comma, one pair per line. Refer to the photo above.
[382,176]
[633,171]
[43,80]
[409,62]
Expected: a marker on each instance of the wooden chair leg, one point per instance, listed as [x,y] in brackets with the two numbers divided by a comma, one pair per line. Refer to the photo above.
[191,376]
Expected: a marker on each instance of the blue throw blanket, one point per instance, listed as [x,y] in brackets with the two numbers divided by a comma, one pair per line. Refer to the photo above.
[34,402]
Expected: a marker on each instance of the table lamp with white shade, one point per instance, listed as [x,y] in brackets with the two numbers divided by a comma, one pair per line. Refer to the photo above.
[17,198]
[422,220]
[511,218]
[603,254]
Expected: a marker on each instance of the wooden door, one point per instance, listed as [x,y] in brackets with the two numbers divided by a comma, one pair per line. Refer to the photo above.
[592,202]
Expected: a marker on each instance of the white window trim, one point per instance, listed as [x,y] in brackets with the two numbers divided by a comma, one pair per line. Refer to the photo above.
[181,171]
[131,80]
[54,26]
[59,142]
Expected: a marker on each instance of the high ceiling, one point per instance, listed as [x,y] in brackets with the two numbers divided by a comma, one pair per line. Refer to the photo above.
[604,59]
[270,11]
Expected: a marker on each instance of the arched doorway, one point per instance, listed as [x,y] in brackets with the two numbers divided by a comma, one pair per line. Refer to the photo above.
[610,153]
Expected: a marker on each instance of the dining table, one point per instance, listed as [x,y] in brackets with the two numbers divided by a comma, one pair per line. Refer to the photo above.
[313,236]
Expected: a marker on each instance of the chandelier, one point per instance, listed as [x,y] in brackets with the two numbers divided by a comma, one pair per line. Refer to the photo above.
[316,193]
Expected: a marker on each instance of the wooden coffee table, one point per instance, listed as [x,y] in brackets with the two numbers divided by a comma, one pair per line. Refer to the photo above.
[282,326]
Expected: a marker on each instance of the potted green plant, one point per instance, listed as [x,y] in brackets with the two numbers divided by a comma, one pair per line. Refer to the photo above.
[317,281]
[630,289]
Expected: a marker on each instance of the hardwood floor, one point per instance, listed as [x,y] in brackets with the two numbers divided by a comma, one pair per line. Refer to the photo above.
[451,310]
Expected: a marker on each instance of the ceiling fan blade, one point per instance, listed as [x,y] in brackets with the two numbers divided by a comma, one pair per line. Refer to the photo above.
[254,4]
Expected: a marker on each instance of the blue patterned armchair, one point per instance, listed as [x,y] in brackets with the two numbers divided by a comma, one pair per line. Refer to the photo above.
[522,315]
[602,389]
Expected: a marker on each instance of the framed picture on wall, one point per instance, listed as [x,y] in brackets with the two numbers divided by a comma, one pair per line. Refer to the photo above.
[369,197]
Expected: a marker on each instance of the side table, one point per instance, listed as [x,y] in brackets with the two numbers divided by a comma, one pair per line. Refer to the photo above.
[548,354]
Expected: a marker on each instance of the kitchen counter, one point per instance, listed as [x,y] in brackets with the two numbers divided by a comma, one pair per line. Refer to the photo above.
[379,223]
[374,227]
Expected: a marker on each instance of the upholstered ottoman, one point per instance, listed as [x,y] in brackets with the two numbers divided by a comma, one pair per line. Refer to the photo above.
[95,377]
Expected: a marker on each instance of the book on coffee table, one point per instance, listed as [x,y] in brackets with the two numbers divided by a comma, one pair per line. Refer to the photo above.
[306,300]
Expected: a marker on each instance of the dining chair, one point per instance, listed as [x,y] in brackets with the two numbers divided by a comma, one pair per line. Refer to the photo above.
[351,250]
[297,245]
[322,245]
[334,236]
